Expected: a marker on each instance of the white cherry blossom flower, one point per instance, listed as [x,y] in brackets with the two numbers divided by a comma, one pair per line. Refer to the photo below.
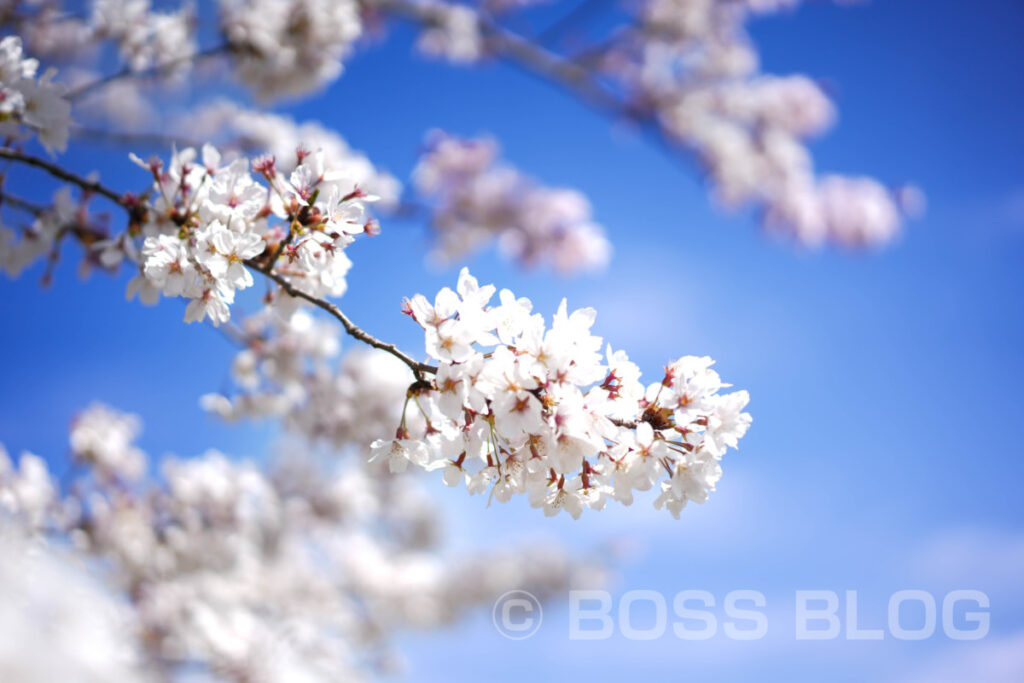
[518,407]
[399,453]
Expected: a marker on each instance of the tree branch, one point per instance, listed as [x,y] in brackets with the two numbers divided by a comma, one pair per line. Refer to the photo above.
[19,203]
[576,15]
[535,59]
[546,65]
[418,368]
[158,70]
[58,172]
[131,138]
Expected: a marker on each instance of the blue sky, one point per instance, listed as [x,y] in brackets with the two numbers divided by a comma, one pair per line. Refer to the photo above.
[885,386]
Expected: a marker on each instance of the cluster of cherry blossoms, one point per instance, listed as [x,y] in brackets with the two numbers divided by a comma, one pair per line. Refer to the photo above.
[145,38]
[477,199]
[39,237]
[287,371]
[59,621]
[209,221]
[520,408]
[692,65]
[289,47]
[231,126]
[453,32]
[31,104]
[105,439]
[300,571]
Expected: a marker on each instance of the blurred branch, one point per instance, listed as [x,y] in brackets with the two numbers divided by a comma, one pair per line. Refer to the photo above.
[153,71]
[22,204]
[576,15]
[58,172]
[546,65]
[129,138]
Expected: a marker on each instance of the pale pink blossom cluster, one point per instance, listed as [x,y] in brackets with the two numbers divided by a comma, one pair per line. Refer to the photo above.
[289,47]
[40,236]
[145,38]
[289,370]
[31,105]
[27,492]
[691,63]
[517,407]
[105,439]
[476,199]
[232,126]
[277,48]
[300,571]
[50,30]
[453,33]
[210,220]
[58,619]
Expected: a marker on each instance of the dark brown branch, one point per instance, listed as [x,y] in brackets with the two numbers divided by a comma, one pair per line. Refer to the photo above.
[418,368]
[19,203]
[58,172]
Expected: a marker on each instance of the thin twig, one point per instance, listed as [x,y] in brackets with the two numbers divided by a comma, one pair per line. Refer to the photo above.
[58,172]
[546,65]
[158,70]
[520,50]
[351,328]
[19,203]
[576,15]
[130,138]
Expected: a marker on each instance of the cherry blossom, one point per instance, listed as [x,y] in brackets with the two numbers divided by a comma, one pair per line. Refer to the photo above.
[303,569]
[31,105]
[27,491]
[454,35]
[693,65]
[538,410]
[478,199]
[289,47]
[291,368]
[146,38]
[39,238]
[105,439]
[232,126]
[211,220]
[60,622]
